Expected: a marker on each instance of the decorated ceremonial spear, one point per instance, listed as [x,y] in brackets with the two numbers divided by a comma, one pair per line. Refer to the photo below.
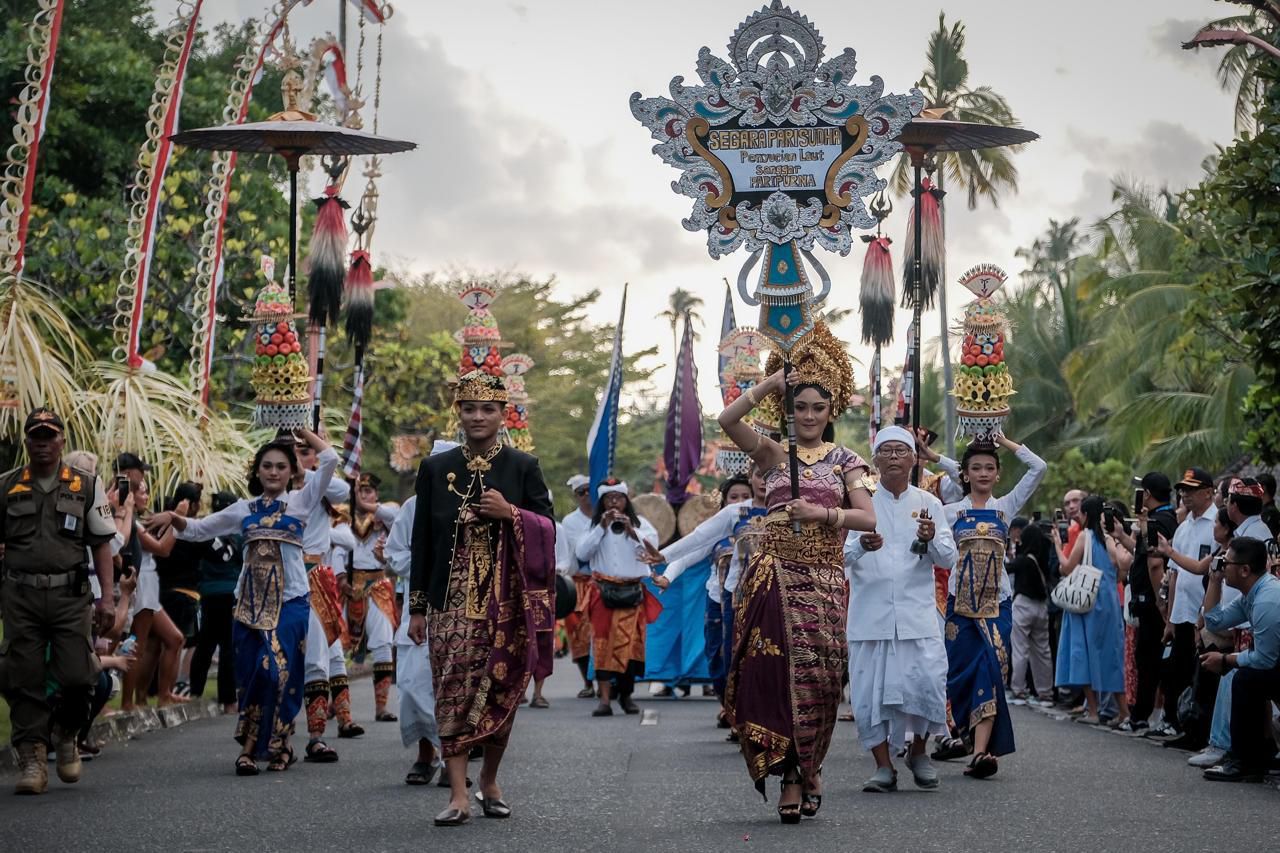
[876,300]
[777,150]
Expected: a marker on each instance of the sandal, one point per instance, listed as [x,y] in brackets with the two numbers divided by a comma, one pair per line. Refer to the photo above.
[494,808]
[246,766]
[587,693]
[539,702]
[319,752]
[386,717]
[983,766]
[789,813]
[284,759]
[420,773]
[350,730]
[811,802]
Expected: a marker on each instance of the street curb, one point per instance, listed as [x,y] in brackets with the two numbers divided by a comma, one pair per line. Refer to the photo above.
[124,726]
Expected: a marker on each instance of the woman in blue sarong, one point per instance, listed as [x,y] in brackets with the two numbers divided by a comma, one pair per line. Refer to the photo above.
[1091,645]
[979,610]
[272,596]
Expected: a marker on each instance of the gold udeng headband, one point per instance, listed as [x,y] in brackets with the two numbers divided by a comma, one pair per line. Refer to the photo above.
[479,387]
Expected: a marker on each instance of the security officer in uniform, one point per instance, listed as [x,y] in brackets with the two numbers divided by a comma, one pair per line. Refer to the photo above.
[52,516]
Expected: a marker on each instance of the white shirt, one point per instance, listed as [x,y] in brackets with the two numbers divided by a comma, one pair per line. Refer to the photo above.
[399,554]
[566,562]
[342,542]
[300,503]
[575,526]
[699,544]
[1253,527]
[1192,535]
[1009,504]
[891,590]
[363,559]
[315,538]
[615,554]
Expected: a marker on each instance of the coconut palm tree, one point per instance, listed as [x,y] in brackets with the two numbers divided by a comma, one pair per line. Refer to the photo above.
[983,175]
[681,305]
[1239,70]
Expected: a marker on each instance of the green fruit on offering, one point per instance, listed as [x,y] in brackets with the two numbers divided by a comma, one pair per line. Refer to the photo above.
[278,359]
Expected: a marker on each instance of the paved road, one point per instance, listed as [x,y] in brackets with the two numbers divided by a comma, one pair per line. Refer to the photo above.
[583,784]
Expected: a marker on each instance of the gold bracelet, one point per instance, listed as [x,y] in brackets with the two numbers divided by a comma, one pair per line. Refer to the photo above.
[751,397]
[839,516]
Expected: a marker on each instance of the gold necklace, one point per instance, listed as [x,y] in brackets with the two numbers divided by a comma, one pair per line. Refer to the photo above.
[484,461]
[813,455]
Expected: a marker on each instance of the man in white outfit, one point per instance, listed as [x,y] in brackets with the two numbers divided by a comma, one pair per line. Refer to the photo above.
[897,658]
[371,603]
[413,662]
[575,526]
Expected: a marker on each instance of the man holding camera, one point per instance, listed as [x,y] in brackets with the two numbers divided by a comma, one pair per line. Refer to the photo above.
[1156,516]
[1256,680]
[51,516]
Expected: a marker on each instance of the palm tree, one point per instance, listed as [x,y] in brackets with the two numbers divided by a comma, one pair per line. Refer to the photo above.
[682,305]
[982,174]
[1240,68]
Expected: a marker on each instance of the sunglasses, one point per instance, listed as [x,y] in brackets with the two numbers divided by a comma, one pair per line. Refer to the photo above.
[581,490]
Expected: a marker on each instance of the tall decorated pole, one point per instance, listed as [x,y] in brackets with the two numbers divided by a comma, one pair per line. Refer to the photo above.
[876,301]
[778,148]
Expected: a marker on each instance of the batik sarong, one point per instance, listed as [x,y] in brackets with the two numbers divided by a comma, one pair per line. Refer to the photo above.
[494,629]
[790,654]
[269,678]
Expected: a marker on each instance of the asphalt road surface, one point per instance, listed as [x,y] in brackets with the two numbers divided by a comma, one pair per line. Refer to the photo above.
[577,783]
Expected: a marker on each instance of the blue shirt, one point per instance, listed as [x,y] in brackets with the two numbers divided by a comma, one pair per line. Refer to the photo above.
[1260,608]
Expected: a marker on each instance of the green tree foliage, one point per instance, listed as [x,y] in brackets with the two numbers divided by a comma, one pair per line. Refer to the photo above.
[1109,478]
[1236,212]
[107,60]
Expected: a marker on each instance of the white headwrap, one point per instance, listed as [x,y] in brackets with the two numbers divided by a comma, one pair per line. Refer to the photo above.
[620,487]
[893,433]
[577,481]
[442,446]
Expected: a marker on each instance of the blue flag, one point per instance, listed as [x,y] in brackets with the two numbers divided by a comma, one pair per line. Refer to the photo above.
[727,324]
[603,438]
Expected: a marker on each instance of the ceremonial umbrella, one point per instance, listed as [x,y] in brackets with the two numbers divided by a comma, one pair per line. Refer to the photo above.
[923,136]
[292,134]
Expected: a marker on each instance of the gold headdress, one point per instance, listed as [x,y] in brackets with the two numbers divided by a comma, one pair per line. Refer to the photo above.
[820,359]
[478,386]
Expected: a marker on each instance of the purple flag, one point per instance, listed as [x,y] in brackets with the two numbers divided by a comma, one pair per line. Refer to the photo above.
[682,450]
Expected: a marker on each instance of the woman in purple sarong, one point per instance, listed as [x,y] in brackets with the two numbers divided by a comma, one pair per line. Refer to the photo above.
[790,652]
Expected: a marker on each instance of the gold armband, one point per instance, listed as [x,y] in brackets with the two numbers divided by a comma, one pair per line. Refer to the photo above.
[751,397]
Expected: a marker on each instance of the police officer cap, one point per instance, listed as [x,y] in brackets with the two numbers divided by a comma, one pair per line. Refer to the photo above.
[43,419]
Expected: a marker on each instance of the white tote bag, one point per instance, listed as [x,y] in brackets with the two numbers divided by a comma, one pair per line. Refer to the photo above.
[1078,591]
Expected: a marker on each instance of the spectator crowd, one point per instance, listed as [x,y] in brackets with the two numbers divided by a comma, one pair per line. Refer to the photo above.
[1182,641]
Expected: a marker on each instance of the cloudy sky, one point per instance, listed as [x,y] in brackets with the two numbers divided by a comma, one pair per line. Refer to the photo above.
[529,157]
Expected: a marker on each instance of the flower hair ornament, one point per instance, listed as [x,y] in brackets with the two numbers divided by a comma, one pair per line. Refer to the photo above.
[821,360]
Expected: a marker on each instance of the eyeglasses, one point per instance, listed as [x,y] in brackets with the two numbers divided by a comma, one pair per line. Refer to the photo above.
[894,452]
[581,490]
[1226,562]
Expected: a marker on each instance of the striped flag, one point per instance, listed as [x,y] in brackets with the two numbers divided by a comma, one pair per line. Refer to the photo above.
[352,442]
[603,438]
[727,324]
[682,449]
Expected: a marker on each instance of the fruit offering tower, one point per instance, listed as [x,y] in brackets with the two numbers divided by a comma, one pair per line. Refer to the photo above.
[740,350]
[481,341]
[983,385]
[514,368]
[280,378]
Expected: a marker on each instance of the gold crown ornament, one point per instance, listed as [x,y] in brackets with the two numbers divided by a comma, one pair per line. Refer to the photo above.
[479,386]
[820,359]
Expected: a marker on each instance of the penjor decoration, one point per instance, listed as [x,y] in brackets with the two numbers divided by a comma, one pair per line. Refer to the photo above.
[481,341]
[983,385]
[280,376]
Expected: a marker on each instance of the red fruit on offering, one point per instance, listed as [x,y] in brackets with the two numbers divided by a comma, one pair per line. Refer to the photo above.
[261,350]
[967,361]
[277,338]
[981,361]
[272,349]
[282,326]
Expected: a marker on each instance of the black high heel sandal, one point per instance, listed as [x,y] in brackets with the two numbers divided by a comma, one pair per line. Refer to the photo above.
[789,813]
[811,802]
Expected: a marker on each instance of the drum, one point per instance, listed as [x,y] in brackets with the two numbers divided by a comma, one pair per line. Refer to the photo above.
[655,509]
[566,596]
[696,510]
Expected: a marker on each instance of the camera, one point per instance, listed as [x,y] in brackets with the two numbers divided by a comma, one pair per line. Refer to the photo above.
[1219,564]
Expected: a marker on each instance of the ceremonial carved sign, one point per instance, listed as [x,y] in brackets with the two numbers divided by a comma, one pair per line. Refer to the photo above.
[777,145]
